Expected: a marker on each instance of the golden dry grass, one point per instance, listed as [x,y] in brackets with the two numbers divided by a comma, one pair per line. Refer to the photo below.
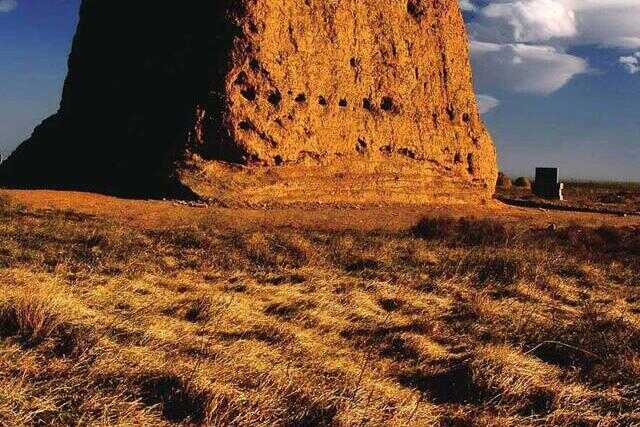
[619,197]
[450,323]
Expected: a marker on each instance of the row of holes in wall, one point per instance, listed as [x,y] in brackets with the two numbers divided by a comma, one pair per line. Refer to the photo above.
[387,103]
[361,146]
[275,97]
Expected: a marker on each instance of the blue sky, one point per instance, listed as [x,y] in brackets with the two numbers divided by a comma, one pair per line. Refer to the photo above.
[35,38]
[565,76]
[559,79]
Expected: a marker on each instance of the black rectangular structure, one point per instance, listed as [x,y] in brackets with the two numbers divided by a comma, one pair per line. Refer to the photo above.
[547,183]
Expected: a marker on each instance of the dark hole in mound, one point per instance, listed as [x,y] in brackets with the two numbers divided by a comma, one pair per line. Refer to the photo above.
[343,103]
[301,98]
[451,385]
[278,160]
[416,9]
[367,104]
[451,113]
[242,78]
[322,101]
[245,125]
[361,146]
[178,402]
[387,104]
[9,326]
[386,149]
[274,98]
[408,152]
[471,164]
[249,93]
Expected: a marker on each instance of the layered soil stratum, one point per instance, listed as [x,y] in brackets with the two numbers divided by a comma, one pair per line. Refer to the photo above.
[268,101]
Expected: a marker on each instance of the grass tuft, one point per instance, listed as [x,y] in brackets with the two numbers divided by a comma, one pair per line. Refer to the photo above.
[464,231]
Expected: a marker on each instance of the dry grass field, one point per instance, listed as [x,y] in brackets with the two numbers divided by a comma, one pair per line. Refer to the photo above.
[620,197]
[450,322]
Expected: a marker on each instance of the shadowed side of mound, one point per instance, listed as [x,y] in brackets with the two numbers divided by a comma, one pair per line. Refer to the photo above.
[127,105]
[40,163]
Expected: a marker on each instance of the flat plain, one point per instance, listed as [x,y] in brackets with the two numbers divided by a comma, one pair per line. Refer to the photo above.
[121,312]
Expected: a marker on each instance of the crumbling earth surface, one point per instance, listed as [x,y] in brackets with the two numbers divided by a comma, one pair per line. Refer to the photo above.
[268,101]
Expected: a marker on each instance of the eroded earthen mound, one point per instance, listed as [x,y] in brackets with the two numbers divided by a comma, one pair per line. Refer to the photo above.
[523,182]
[504,182]
[266,101]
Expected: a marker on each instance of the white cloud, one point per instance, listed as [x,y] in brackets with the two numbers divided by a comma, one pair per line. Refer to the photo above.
[631,63]
[611,23]
[523,68]
[8,5]
[568,22]
[525,21]
[467,5]
[487,103]
[525,42]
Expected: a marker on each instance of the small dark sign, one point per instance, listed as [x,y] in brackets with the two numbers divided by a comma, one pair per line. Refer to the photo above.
[547,183]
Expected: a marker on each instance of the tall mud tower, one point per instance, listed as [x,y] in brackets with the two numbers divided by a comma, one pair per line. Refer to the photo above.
[259,101]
